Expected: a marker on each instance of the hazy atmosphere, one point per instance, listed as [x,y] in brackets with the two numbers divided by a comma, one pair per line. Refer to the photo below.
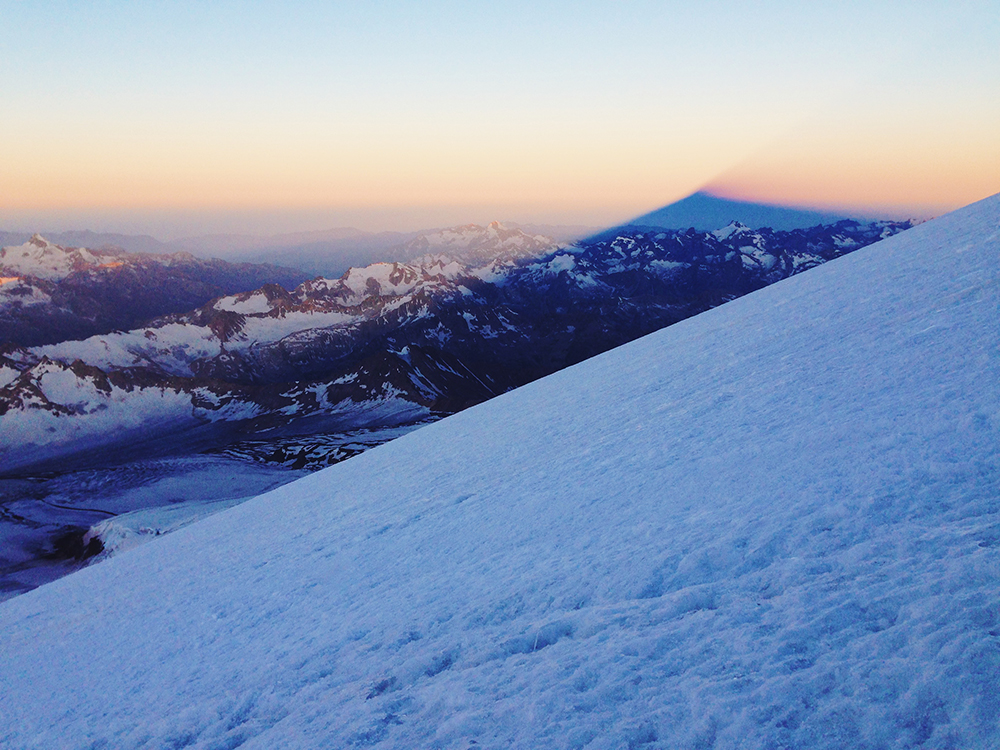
[182,118]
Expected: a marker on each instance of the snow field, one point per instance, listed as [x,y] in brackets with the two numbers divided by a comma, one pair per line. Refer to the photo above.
[776,524]
[175,345]
[99,417]
[172,346]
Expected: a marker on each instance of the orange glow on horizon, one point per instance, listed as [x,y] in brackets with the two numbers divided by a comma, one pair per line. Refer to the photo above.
[591,175]
[869,166]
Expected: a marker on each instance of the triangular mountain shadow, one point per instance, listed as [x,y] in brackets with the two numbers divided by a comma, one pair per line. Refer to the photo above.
[706,212]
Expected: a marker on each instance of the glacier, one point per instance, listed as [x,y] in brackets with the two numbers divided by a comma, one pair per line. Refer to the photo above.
[773,525]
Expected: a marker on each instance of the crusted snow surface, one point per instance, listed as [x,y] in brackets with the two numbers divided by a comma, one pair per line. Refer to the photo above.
[170,491]
[128,530]
[776,524]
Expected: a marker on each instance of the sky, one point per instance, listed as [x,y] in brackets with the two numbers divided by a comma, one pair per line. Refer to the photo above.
[177,118]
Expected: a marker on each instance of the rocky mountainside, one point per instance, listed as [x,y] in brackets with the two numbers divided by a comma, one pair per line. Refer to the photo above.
[483,310]
[51,293]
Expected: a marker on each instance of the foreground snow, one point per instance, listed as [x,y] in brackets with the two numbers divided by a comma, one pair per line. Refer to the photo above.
[776,524]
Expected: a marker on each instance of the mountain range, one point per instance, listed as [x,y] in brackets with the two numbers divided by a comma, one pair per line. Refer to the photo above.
[331,252]
[328,252]
[51,293]
[118,437]
[482,310]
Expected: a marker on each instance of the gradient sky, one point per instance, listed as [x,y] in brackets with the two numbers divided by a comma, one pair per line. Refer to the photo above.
[179,117]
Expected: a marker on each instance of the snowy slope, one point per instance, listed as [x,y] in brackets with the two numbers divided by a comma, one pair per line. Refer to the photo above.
[776,524]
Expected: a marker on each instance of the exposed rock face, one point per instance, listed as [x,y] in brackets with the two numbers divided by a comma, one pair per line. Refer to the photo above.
[395,342]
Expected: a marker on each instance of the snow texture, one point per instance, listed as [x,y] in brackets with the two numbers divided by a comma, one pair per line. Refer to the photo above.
[774,525]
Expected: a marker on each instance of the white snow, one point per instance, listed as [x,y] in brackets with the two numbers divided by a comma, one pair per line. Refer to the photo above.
[669,265]
[245,304]
[173,347]
[99,416]
[776,524]
[7,375]
[128,530]
[561,262]
[40,258]
[19,292]
[734,227]
[381,278]
[266,329]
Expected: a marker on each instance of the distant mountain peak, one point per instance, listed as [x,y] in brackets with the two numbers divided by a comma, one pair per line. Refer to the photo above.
[475,243]
[38,241]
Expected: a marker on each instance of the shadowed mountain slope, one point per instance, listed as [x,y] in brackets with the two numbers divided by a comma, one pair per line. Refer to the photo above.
[704,212]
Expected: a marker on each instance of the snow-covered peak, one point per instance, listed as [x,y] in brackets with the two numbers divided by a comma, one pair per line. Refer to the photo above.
[245,304]
[261,301]
[733,228]
[385,279]
[44,260]
[478,245]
